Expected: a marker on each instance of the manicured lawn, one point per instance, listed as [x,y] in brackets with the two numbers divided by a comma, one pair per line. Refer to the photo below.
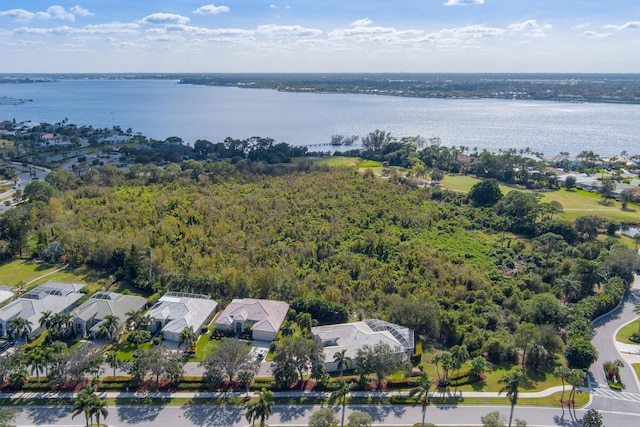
[339,161]
[636,368]
[125,352]
[627,331]
[82,275]
[575,202]
[20,272]
[204,346]
[533,381]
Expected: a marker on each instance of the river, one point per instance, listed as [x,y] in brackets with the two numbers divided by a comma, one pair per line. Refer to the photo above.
[163,108]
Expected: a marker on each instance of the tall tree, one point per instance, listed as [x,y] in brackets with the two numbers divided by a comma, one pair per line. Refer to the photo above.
[562,372]
[511,381]
[342,360]
[229,359]
[341,392]
[109,326]
[188,337]
[261,409]
[421,391]
[382,359]
[114,362]
[19,327]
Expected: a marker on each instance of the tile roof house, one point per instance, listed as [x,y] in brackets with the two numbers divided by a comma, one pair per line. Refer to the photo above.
[90,315]
[264,316]
[353,336]
[5,294]
[176,311]
[56,297]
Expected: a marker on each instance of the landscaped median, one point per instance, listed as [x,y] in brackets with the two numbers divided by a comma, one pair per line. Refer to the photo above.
[548,398]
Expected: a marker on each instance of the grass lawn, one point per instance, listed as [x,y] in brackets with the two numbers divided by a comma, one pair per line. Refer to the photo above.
[533,381]
[204,346]
[20,272]
[125,352]
[636,368]
[627,331]
[339,161]
[575,202]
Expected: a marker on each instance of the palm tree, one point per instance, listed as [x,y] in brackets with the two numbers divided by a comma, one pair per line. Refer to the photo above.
[511,381]
[37,358]
[562,372]
[306,322]
[98,408]
[109,326]
[188,337]
[133,318]
[62,323]
[261,409]
[343,361]
[113,360]
[568,286]
[45,319]
[83,404]
[421,391]
[637,312]
[20,327]
[343,389]
[478,366]
[460,355]
[436,359]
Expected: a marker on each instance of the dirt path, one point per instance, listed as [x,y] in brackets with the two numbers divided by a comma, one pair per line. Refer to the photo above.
[45,275]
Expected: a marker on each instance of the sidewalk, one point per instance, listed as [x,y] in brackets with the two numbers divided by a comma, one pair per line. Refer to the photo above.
[277,394]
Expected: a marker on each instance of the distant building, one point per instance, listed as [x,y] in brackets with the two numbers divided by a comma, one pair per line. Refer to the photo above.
[56,297]
[353,336]
[176,311]
[264,316]
[90,315]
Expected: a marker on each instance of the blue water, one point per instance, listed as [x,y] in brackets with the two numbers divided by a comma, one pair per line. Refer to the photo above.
[162,108]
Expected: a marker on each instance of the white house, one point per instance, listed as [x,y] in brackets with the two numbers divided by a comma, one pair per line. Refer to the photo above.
[5,294]
[90,315]
[56,297]
[176,311]
[264,316]
[353,336]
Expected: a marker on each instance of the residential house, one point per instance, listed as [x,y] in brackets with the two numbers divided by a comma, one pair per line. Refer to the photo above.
[265,317]
[56,297]
[176,311]
[353,336]
[5,294]
[90,315]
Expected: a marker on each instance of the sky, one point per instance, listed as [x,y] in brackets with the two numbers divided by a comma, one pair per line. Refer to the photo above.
[162,36]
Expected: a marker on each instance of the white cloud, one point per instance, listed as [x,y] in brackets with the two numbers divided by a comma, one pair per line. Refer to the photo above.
[164,18]
[362,22]
[18,14]
[288,31]
[594,35]
[80,11]
[631,24]
[529,28]
[462,2]
[211,9]
[59,12]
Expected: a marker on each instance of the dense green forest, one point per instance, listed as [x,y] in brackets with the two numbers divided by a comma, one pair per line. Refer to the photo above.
[433,260]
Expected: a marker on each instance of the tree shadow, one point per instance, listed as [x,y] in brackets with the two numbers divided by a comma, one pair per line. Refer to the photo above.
[293,412]
[380,412]
[47,415]
[145,410]
[213,415]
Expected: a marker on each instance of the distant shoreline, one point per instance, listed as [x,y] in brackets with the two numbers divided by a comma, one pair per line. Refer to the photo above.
[560,87]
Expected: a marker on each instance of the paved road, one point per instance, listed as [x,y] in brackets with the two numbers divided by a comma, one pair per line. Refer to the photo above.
[24,178]
[233,416]
[604,340]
